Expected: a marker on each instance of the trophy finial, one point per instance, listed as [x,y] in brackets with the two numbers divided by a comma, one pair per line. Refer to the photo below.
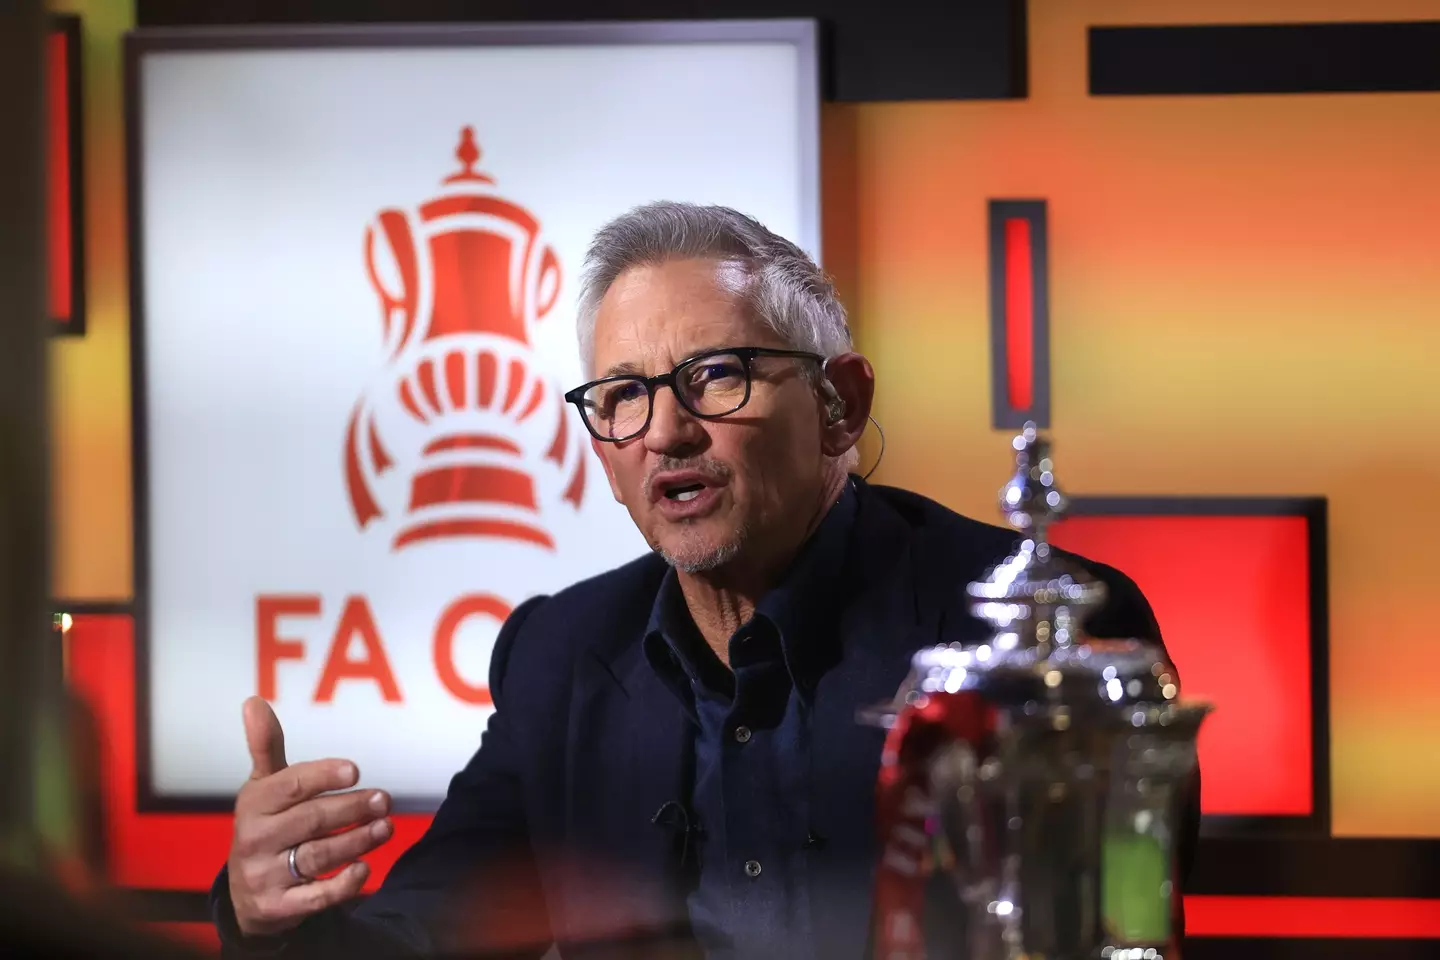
[1031,500]
[468,153]
[1033,591]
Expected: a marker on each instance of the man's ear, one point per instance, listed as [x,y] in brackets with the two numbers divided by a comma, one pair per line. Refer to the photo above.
[599,449]
[853,380]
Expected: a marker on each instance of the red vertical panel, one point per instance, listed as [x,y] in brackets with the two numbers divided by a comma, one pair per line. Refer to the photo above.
[1019,314]
[57,75]
[1338,917]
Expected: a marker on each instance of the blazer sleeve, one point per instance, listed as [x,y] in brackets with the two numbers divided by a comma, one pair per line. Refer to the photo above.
[468,885]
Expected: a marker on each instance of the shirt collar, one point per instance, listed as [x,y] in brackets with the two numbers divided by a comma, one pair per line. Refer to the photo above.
[803,609]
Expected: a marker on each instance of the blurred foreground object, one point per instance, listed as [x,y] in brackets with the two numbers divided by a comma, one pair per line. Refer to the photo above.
[39,919]
[37,766]
[1039,777]
[29,659]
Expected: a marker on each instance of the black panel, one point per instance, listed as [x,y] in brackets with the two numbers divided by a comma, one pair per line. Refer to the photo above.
[902,50]
[1227,948]
[164,906]
[1266,58]
[91,608]
[1316,867]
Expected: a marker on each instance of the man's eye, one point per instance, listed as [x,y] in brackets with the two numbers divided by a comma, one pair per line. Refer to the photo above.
[718,370]
[626,392]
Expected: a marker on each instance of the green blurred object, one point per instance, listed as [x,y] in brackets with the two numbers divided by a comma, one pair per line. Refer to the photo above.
[1135,885]
[56,815]
[53,833]
[29,674]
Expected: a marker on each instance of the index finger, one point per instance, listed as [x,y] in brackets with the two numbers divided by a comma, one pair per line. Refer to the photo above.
[300,782]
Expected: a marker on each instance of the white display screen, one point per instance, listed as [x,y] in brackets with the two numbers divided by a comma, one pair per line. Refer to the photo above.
[355,452]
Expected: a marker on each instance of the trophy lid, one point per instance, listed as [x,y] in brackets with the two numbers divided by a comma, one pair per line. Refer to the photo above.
[1117,676]
[1108,673]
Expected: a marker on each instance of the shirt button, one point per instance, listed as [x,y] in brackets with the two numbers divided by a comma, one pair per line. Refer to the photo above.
[742,734]
[752,868]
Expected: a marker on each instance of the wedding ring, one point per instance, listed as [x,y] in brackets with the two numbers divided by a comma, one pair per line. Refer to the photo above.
[295,869]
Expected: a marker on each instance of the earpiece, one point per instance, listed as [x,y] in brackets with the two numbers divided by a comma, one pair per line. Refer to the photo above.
[835,406]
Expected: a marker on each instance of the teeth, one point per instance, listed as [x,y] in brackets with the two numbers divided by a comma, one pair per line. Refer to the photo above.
[687,495]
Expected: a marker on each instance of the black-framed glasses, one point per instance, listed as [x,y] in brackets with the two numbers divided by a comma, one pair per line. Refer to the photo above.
[711,385]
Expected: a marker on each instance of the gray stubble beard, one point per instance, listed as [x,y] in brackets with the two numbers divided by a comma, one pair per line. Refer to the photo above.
[713,560]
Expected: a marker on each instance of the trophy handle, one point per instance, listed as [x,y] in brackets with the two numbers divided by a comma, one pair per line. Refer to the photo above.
[549,268]
[360,470]
[965,823]
[972,820]
[398,307]
[929,785]
[1149,791]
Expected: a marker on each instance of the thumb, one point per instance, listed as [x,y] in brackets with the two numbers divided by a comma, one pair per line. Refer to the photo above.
[264,737]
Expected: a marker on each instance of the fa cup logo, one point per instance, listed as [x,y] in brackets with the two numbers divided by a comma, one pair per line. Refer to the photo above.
[462,435]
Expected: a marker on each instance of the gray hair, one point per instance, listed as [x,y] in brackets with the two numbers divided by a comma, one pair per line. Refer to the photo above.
[787,290]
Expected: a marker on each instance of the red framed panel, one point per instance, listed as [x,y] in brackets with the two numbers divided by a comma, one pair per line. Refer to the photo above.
[65,200]
[1239,589]
[1019,313]
[159,851]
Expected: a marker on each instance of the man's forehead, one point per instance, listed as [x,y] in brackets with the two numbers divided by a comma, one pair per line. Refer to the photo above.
[679,278]
[661,314]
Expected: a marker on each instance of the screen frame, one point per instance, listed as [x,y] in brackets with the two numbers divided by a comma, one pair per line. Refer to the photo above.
[803,34]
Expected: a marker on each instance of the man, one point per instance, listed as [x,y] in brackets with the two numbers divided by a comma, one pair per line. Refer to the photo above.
[674,757]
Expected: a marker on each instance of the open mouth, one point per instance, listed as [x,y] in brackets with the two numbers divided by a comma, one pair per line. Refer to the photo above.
[680,493]
[686,494]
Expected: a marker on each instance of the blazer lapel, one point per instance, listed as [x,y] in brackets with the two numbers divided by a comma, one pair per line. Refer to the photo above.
[878,632]
[628,751]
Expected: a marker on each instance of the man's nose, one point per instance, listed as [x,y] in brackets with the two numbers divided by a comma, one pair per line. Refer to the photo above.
[673,430]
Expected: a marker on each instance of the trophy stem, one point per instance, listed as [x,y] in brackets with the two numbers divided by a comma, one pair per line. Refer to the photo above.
[1035,598]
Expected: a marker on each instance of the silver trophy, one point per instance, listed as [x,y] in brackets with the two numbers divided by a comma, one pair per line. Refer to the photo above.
[1040,776]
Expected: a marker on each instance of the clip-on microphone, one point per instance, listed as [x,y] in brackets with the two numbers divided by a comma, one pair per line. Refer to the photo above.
[677,817]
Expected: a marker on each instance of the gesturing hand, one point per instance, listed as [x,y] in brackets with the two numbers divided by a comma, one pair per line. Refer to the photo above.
[287,817]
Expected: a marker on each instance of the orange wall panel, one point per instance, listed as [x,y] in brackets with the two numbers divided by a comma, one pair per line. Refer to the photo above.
[1242,301]
[90,375]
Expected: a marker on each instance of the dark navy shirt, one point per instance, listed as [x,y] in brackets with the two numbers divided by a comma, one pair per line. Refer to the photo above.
[751,792]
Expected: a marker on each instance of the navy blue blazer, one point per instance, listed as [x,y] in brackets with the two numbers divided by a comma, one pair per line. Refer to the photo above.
[547,834]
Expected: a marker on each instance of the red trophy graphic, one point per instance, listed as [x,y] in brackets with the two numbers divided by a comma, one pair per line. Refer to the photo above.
[462,435]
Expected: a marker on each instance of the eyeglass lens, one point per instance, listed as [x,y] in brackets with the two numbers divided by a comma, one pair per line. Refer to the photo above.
[708,386]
